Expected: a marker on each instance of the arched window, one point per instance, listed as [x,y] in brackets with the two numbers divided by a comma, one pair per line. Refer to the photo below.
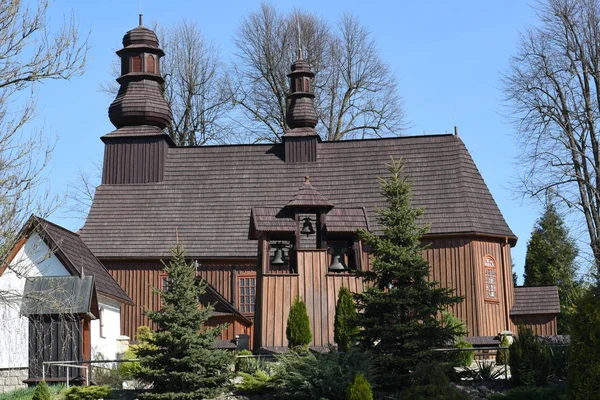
[136,63]
[298,85]
[150,66]
[306,84]
[491,278]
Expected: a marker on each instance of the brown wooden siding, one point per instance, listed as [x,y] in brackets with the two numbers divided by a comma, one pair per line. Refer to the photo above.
[458,263]
[233,328]
[300,149]
[314,285]
[139,160]
[138,278]
[540,324]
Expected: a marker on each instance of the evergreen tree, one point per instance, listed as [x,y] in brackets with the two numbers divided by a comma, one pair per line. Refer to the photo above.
[298,331]
[400,308]
[180,359]
[345,330]
[550,260]
[41,392]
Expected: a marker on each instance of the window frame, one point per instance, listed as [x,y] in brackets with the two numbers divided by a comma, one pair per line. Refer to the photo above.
[239,295]
[490,264]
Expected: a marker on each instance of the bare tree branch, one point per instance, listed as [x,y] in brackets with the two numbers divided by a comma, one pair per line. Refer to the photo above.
[356,95]
[553,89]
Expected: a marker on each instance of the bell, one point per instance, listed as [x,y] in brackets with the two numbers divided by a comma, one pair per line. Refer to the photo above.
[307,228]
[278,257]
[336,265]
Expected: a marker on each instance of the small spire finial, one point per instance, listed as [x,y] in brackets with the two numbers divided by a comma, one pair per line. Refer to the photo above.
[141,19]
[299,50]
[307,180]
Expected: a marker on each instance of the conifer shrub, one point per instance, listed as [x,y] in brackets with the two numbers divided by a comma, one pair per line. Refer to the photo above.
[430,382]
[584,351]
[87,392]
[247,365]
[359,389]
[298,331]
[345,330]
[254,383]
[464,358]
[319,375]
[41,392]
[529,360]
[503,355]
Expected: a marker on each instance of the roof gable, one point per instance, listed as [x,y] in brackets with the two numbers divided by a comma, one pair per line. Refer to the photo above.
[75,256]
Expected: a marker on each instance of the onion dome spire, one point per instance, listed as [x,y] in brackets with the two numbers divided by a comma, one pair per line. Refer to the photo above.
[301,109]
[140,100]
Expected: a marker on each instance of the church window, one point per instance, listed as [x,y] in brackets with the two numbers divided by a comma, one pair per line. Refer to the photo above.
[246,293]
[491,278]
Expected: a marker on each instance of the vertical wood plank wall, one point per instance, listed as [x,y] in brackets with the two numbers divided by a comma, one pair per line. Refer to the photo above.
[458,263]
[312,284]
[138,278]
[544,324]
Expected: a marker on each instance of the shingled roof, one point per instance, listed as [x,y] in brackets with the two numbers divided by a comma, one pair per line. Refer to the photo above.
[208,193]
[76,257]
[536,300]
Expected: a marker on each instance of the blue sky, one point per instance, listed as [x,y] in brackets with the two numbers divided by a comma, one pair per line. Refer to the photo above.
[448,57]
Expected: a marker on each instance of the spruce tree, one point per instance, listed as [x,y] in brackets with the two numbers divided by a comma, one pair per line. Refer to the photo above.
[180,359]
[345,330]
[298,331]
[400,308]
[550,260]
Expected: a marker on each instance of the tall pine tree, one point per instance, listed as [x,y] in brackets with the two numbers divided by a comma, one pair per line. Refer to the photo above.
[550,260]
[180,360]
[400,310]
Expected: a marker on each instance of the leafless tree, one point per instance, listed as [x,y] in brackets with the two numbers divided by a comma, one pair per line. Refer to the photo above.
[553,89]
[356,94]
[196,87]
[30,52]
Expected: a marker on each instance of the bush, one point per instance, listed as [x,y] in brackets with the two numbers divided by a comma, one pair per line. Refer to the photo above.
[359,389]
[345,330]
[316,376]
[87,392]
[41,392]
[431,382]
[464,358]
[529,360]
[298,330]
[531,393]
[584,350]
[247,365]
[503,355]
[255,383]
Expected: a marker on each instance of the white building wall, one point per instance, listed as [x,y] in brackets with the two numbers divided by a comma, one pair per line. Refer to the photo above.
[110,318]
[35,258]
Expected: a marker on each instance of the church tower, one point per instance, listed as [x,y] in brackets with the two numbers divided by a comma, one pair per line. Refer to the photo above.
[135,152]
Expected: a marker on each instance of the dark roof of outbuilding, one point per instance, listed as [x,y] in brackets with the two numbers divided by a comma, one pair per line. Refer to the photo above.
[75,256]
[208,193]
[59,295]
[536,300]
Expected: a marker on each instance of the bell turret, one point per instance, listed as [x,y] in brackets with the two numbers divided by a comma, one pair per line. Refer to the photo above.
[140,100]
[301,109]
[136,151]
[301,139]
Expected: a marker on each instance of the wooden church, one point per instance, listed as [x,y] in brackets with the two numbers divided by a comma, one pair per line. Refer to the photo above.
[268,222]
